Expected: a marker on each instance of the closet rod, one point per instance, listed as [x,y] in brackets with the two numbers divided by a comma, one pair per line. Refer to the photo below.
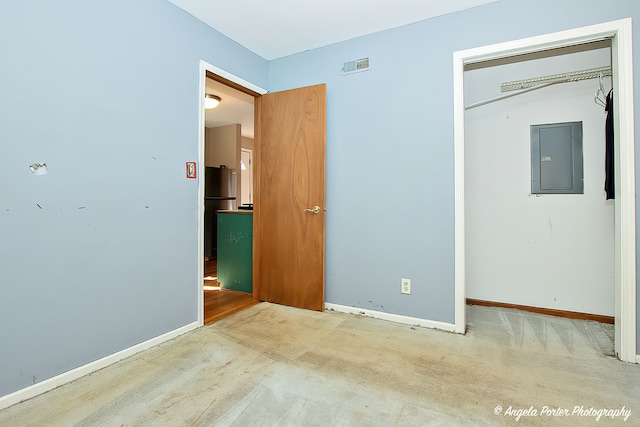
[572,76]
[509,95]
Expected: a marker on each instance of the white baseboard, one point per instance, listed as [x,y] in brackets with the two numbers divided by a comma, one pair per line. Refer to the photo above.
[407,320]
[66,377]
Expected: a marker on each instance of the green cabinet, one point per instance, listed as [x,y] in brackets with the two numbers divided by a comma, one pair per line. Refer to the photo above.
[235,250]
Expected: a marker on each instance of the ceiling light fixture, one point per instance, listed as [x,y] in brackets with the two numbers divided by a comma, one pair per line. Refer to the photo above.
[211,101]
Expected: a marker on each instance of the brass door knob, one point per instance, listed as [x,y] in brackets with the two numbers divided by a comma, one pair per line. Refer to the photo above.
[316,210]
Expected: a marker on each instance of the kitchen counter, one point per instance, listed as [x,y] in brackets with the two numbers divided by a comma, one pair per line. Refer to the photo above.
[235,243]
[236,211]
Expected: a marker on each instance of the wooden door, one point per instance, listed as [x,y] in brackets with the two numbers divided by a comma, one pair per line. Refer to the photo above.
[289,177]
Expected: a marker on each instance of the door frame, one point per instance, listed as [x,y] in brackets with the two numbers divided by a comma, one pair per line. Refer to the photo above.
[625,210]
[237,83]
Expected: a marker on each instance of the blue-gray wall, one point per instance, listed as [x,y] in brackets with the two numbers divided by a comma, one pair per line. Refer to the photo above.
[101,253]
[390,166]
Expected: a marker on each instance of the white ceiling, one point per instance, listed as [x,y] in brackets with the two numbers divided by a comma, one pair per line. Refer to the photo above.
[277,28]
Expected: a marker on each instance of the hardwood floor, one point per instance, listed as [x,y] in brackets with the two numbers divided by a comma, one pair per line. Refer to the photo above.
[221,303]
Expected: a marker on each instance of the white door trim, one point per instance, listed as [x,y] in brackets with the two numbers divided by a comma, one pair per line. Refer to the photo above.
[204,67]
[625,212]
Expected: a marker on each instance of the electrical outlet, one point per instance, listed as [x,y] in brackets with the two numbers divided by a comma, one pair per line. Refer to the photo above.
[406,286]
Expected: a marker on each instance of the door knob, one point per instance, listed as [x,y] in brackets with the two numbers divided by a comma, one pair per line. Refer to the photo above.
[316,210]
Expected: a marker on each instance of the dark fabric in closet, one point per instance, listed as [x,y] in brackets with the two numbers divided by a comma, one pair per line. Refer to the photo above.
[609,185]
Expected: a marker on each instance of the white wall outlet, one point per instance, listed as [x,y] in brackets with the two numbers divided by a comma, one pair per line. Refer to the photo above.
[406,286]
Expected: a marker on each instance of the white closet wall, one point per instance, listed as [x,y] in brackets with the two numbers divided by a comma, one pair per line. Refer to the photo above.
[551,251]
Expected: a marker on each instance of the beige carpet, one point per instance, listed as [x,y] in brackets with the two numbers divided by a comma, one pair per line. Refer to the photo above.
[271,365]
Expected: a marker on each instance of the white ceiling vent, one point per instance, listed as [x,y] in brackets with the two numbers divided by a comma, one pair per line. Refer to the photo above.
[356,66]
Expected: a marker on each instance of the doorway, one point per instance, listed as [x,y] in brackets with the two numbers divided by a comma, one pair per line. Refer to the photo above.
[233,127]
[548,251]
[288,214]
[619,32]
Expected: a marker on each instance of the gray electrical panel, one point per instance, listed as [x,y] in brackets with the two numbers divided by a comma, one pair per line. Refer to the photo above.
[556,159]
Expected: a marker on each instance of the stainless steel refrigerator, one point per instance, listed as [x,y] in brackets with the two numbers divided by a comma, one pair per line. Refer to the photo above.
[219,194]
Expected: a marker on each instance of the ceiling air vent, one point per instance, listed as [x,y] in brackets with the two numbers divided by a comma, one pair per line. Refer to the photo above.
[356,66]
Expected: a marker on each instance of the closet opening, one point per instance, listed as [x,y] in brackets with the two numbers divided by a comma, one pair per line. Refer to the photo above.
[520,248]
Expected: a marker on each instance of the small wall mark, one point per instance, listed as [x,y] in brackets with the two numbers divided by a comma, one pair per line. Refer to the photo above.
[38,169]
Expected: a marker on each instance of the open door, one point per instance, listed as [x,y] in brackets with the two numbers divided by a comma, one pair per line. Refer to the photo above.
[289,197]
